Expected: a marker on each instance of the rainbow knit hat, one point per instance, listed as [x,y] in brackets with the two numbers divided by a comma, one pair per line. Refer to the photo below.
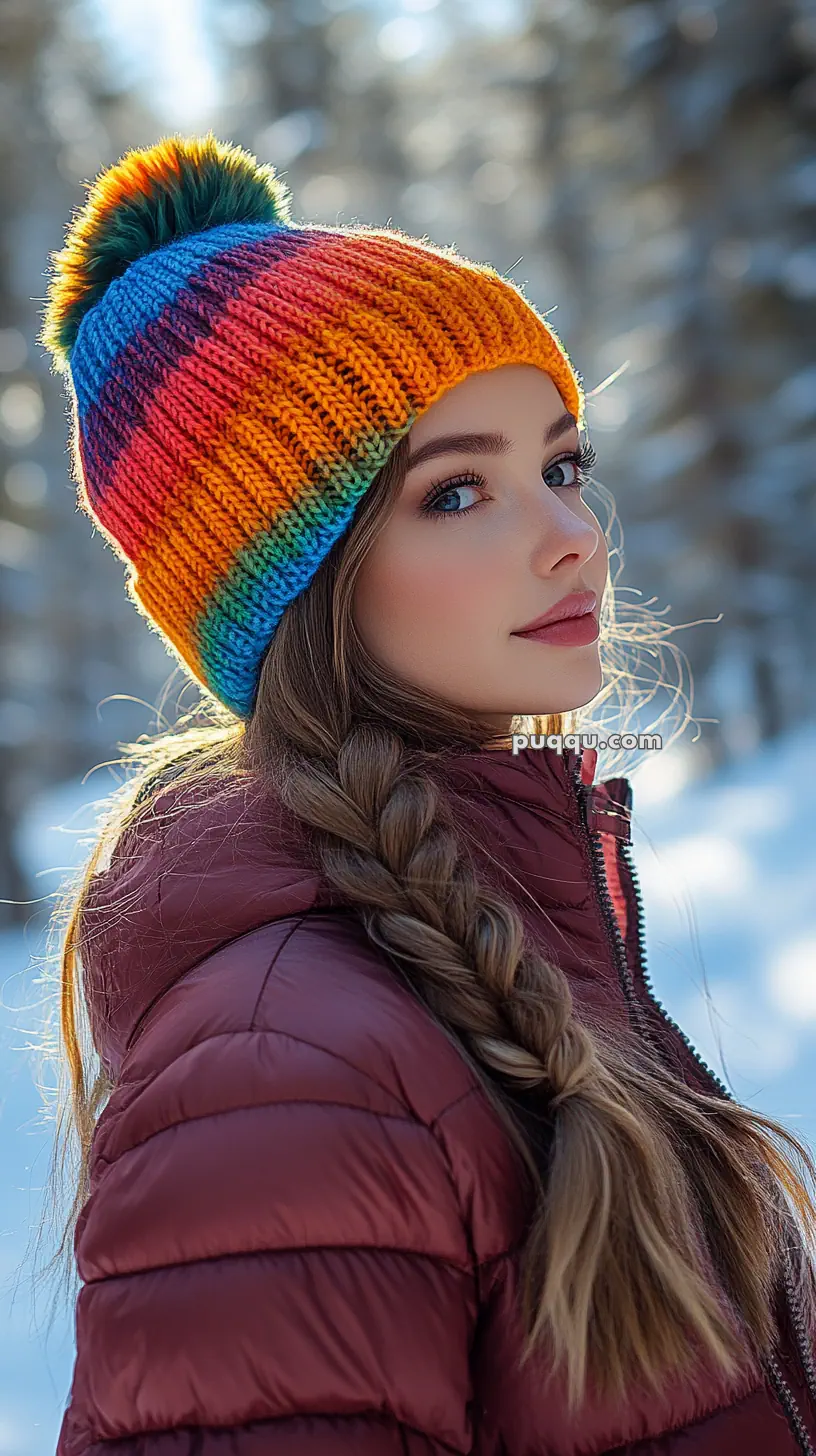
[237,380]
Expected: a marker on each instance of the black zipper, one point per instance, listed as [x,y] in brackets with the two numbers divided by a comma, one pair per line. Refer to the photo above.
[591,839]
[595,852]
[799,1329]
[787,1400]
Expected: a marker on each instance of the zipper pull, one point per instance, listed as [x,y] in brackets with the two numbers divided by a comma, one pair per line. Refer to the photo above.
[609,808]
[607,805]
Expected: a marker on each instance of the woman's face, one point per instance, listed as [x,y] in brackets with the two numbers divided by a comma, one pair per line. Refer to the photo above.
[482,541]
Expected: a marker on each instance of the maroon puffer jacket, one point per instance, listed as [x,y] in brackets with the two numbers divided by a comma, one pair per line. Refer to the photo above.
[305,1217]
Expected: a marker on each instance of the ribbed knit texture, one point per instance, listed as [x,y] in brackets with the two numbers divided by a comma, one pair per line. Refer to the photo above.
[236,389]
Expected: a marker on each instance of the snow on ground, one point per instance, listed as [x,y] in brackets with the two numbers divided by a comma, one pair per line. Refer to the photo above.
[728,875]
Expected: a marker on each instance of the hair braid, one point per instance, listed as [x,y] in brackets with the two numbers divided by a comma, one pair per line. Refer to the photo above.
[389,845]
[386,840]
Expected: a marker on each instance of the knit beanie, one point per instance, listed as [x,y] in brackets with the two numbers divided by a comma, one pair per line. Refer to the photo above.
[236,381]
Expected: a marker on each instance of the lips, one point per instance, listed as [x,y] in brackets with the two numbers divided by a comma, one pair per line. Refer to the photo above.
[576,604]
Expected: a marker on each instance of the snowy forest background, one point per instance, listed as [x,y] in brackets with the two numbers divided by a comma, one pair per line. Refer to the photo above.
[647,167]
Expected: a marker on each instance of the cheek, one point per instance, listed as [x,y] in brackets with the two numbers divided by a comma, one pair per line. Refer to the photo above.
[418,584]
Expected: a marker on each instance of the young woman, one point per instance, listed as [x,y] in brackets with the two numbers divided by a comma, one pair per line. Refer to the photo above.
[398,1151]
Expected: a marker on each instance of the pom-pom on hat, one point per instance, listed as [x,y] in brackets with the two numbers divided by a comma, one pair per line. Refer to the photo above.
[237,380]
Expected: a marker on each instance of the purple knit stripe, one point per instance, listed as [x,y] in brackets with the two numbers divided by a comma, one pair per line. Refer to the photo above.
[124,401]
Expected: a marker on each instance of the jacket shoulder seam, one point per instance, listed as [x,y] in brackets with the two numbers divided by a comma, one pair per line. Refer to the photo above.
[270,968]
[217,950]
[473,1087]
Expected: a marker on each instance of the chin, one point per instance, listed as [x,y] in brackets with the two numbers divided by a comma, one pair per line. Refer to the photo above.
[571,686]
[572,690]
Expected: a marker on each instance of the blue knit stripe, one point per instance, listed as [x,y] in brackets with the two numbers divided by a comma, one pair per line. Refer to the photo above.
[148,286]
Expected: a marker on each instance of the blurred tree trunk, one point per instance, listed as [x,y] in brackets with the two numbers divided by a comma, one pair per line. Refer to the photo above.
[68,635]
[24,28]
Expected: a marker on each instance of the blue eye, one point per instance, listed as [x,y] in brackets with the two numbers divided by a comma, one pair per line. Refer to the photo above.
[570,472]
[453,488]
[574,466]
[565,468]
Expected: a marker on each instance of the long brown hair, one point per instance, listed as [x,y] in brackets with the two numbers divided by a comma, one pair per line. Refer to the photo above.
[660,1212]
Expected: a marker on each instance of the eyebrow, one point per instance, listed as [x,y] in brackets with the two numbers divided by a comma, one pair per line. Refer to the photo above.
[491,442]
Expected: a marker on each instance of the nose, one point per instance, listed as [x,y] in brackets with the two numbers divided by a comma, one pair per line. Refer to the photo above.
[565,540]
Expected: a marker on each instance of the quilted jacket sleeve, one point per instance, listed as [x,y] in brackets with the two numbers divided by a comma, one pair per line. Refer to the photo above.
[273,1258]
